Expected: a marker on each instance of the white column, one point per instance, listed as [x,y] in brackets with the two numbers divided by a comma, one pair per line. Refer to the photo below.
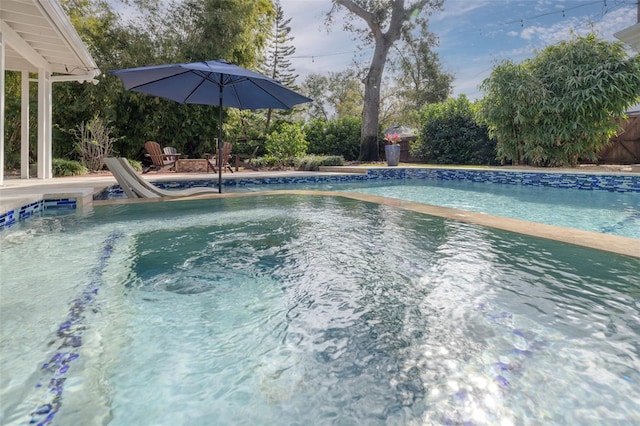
[2,65]
[48,128]
[24,127]
[44,124]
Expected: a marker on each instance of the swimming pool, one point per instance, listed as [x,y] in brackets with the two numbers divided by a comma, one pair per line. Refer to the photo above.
[607,204]
[600,211]
[297,309]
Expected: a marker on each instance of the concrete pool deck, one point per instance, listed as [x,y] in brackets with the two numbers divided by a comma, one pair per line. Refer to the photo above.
[19,192]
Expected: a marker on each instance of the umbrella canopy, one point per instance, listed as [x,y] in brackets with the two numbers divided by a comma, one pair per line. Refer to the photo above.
[211,83]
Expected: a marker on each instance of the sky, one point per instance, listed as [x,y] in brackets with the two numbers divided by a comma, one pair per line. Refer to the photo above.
[474,35]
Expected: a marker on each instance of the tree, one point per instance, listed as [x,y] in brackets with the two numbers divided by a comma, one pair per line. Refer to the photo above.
[315,87]
[345,93]
[419,81]
[197,30]
[234,30]
[185,31]
[276,64]
[386,21]
[12,136]
[106,37]
[559,107]
[337,96]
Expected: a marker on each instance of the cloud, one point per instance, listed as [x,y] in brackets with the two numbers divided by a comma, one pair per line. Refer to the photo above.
[538,37]
[474,35]
[566,29]
[457,8]
[543,5]
[319,50]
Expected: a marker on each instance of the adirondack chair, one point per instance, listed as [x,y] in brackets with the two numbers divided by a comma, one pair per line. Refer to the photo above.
[244,160]
[212,159]
[160,160]
[169,150]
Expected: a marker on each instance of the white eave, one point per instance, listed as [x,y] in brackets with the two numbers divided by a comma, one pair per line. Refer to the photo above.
[39,36]
[630,36]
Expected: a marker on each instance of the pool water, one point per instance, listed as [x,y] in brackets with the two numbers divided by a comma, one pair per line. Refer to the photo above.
[616,213]
[320,310]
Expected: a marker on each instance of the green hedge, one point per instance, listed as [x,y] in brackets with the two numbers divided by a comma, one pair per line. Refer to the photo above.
[62,167]
[449,134]
[306,163]
[339,137]
[313,162]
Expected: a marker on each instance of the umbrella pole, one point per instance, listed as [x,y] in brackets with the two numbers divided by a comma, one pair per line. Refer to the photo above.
[220,140]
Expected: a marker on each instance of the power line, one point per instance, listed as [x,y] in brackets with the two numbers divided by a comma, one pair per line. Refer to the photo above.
[607,7]
[563,11]
[313,57]
[605,10]
[326,54]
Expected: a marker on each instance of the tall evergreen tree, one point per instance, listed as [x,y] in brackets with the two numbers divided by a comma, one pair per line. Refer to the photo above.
[276,63]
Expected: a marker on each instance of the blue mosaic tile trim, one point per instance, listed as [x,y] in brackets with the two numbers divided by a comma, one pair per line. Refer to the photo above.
[593,182]
[387,174]
[612,183]
[8,218]
[61,203]
[110,193]
[38,207]
[12,216]
[68,339]
[30,210]
[293,180]
[185,184]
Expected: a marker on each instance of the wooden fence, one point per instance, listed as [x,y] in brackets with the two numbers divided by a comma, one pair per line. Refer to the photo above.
[405,155]
[624,148]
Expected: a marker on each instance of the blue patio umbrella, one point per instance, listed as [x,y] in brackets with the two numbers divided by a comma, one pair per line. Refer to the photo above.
[211,83]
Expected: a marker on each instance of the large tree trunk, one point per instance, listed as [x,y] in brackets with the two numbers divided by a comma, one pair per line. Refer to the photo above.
[371,111]
[383,42]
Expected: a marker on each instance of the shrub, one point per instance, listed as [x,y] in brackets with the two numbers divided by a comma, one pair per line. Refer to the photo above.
[135,164]
[61,167]
[449,134]
[335,137]
[260,163]
[94,142]
[557,108]
[286,143]
[305,163]
[313,162]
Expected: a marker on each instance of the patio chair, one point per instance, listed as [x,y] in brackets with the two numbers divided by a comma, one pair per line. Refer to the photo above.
[136,187]
[212,159]
[169,150]
[160,161]
[244,160]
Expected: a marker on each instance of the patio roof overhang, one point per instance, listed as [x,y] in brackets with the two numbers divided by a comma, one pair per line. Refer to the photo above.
[37,37]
